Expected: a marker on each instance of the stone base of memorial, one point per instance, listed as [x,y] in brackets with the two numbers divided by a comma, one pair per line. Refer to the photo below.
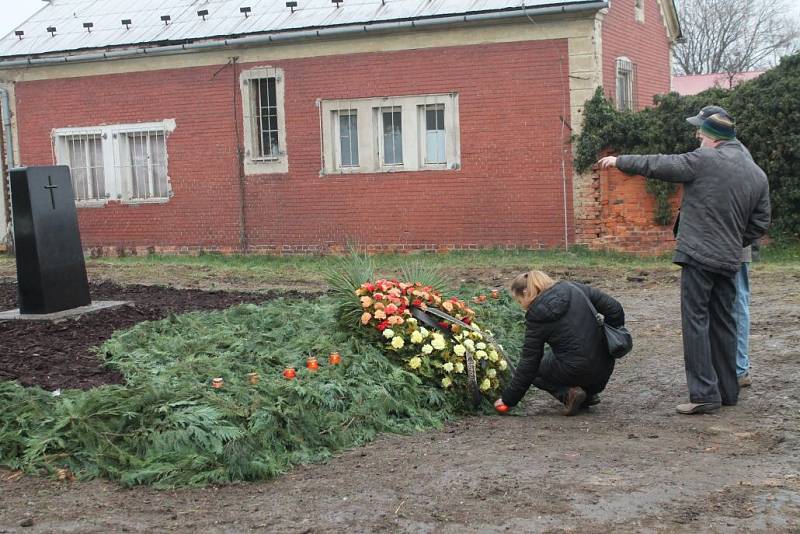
[14,315]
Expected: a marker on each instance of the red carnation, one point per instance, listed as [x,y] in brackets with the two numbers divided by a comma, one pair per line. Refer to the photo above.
[417,303]
[383,325]
[444,324]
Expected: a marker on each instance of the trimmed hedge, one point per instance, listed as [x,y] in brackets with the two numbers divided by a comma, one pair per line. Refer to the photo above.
[767,113]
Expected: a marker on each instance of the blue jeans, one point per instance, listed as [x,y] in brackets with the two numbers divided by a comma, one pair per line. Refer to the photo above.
[741,312]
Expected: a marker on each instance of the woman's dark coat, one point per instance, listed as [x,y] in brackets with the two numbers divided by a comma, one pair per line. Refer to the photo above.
[561,317]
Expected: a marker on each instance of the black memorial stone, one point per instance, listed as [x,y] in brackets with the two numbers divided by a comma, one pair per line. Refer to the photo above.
[51,273]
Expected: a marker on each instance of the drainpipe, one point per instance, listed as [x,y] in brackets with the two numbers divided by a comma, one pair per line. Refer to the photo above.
[5,113]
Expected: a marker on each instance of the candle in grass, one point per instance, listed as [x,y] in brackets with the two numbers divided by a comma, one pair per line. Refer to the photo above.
[312,364]
[252,378]
[335,358]
[217,383]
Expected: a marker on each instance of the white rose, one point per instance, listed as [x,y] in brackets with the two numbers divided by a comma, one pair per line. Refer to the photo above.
[448,367]
[415,362]
[486,384]
[388,333]
[424,331]
[459,367]
[503,365]
[481,346]
[493,355]
[427,349]
[446,382]
[481,355]
[491,373]
[411,320]
[398,342]
[469,344]
[438,342]
[459,350]
[416,337]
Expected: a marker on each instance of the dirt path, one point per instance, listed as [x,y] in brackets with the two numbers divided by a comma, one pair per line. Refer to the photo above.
[630,465]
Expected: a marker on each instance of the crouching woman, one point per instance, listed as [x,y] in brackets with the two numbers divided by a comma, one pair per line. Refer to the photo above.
[577,365]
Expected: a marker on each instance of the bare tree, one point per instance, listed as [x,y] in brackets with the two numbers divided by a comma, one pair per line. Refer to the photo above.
[734,36]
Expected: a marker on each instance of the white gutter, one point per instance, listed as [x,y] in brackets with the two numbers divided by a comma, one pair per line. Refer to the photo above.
[254,40]
[5,113]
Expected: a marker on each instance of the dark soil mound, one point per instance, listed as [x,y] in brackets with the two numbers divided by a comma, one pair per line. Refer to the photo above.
[56,354]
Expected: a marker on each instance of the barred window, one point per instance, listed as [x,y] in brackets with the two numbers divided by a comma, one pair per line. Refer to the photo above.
[626,72]
[116,162]
[264,121]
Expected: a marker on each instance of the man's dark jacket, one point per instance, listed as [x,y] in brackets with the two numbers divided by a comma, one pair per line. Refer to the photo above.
[561,317]
[725,203]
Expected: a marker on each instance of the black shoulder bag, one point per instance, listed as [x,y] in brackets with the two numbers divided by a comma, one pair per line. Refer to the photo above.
[618,338]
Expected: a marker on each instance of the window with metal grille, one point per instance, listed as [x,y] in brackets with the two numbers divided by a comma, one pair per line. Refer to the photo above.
[625,84]
[264,117]
[144,164]
[263,120]
[347,124]
[84,155]
[121,162]
[391,147]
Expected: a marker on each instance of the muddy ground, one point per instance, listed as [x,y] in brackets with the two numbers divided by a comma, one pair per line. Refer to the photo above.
[629,465]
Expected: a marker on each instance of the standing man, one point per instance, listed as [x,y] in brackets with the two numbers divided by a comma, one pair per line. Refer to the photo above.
[725,206]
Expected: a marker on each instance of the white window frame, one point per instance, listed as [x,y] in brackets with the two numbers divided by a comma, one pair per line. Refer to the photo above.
[112,136]
[370,133]
[253,163]
[638,10]
[625,72]
[337,139]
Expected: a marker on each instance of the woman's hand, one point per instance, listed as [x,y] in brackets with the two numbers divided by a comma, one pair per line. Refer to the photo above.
[500,406]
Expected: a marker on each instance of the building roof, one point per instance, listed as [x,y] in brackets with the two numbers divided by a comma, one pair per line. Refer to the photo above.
[697,83]
[61,25]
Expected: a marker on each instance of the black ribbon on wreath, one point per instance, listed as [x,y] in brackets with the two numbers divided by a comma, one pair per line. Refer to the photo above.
[426,317]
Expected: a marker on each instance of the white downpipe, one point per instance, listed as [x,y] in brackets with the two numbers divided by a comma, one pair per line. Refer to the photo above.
[5,166]
[255,40]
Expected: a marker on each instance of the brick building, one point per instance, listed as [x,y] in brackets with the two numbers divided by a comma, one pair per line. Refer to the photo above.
[267,126]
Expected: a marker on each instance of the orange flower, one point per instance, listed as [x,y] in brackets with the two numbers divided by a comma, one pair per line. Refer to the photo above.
[365,317]
[447,305]
[366,302]
[379,305]
[379,314]
[391,309]
[395,319]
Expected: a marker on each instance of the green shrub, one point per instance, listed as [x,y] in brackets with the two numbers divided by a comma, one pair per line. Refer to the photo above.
[767,113]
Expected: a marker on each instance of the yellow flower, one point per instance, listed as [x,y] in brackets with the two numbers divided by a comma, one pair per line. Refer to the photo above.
[481,346]
[481,355]
[486,384]
[503,365]
[438,342]
[411,321]
[491,373]
[459,367]
[427,349]
[398,342]
[424,332]
[446,382]
[469,344]
[493,355]
[388,333]
[415,362]
[459,350]
[448,367]
[416,337]
[365,317]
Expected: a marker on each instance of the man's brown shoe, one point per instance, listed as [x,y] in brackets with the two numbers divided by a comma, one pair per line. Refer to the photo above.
[691,408]
[744,381]
[575,397]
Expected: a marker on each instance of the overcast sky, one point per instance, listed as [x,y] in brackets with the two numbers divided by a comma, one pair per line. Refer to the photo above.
[15,12]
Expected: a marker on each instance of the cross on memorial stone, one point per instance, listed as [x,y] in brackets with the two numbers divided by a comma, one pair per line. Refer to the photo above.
[50,187]
[51,273]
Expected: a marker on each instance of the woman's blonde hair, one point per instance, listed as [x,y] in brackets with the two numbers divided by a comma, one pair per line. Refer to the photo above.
[527,286]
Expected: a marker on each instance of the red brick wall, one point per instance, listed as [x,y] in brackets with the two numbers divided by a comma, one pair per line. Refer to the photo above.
[508,192]
[623,217]
[646,44]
